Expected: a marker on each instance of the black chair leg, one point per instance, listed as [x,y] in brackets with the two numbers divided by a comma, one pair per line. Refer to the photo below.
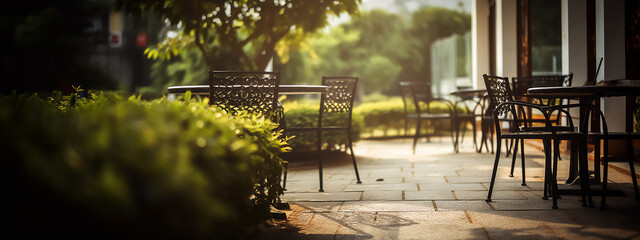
[353,158]
[474,128]
[416,136]
[547,169]
[633,170]
[482,137]
[585,187]
[513,159]
[495,170]
[464,131]
[554,172]
[605,174]
[491,138]
[597,160]
[458,141]
[524,176]
[454,135]
[284,182]
[319,146]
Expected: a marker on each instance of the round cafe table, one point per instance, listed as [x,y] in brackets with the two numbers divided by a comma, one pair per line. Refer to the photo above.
[203,90]
[586,95]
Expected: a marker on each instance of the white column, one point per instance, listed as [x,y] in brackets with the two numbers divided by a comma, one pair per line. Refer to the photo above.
[479,42]
[506,38]
[574,43]
[574,40]
[610,45]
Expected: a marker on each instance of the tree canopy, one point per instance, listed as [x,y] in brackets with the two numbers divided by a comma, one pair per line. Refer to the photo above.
[432,23]
[379,47]
[252,30]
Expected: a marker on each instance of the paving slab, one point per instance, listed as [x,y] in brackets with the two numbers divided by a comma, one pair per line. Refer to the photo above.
[429,195]
[325,196]
[482,195]
[422,179]
[463,206]
[388,206]
[383,187]
[374,195]
[451,186]
[316,207]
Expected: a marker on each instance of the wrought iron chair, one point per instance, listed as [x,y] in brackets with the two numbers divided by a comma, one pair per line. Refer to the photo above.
[338,100]
[255,92]
[505,108]
[422,99]
[486,125]
[520,86]
[466,111]
[409,107]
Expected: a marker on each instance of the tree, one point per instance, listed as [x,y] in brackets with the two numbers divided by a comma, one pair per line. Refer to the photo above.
[250,29]
[432,23]
[372,46]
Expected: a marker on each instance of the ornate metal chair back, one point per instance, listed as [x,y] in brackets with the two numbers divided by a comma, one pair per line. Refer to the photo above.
[407,97]
[255,92]
[499,92]
[521,84]
[421,92]
[339,97]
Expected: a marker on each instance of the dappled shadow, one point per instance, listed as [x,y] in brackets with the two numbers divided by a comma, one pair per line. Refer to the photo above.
[307,160]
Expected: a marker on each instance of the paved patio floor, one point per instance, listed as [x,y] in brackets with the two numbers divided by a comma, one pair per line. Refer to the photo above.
[438,194]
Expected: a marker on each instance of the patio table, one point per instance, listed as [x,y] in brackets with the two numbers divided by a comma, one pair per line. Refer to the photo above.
[586,95]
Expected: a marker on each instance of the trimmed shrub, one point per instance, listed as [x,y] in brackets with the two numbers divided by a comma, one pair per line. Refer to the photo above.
[389,115]
[122,168]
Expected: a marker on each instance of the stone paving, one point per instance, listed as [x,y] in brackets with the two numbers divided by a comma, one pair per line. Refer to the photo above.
[438,194]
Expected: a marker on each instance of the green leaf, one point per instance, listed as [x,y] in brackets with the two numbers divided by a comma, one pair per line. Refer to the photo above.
[187,96]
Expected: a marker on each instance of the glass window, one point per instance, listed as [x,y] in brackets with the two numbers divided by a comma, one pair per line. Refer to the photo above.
[546,37]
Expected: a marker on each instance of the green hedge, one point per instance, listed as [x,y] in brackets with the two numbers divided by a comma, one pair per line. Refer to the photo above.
[384,118]
[387,118]
[116,167]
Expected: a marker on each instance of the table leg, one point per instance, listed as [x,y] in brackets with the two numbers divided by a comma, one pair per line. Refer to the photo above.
[573,159]
[584,174]
[583,158]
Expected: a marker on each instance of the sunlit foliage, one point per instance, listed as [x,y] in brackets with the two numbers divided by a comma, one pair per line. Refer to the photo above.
[116,167]
[250,29]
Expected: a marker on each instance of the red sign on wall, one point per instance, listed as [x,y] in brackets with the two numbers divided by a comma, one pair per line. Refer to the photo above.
[115,39]
[141,40]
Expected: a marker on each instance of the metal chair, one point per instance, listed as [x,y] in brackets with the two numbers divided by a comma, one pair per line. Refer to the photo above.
[505,108]
[337,100]
[466,111]
[422,99]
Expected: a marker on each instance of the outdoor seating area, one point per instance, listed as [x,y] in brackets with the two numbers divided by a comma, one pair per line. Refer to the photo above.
[337,119]
[244,90]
